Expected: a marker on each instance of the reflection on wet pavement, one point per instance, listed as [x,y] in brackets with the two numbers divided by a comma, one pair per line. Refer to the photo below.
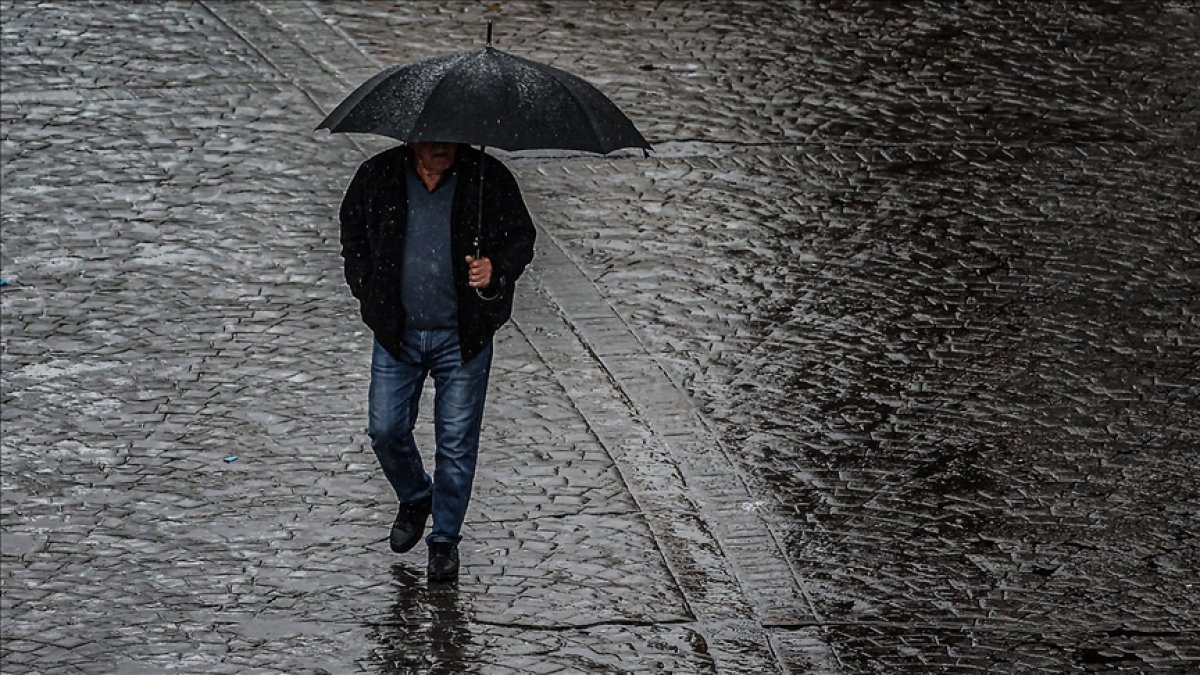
[426,630]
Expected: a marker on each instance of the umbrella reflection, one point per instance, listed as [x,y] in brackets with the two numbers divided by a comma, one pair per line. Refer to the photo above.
[426,630]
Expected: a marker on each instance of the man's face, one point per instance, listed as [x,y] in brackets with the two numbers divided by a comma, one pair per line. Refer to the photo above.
[435,157]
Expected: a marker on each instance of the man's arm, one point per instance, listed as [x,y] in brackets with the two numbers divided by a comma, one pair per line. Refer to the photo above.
[355,246]
[512,249]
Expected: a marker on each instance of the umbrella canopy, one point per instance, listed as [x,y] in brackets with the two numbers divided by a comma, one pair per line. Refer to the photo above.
[489,98]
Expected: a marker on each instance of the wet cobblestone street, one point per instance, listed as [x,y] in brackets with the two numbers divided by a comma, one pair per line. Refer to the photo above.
[887,359]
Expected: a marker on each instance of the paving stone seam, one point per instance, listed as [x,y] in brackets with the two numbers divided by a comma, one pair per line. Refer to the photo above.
[621,473]
[606,440]
[716,631]
[867,142]
[552,628]
[559,516]
[779,653]
[228,24]
[314,57]
[992,626]
[708,434]
[340,32]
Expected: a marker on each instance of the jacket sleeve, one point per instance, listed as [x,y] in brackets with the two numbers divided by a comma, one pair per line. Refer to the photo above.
[354,216]
[513,228]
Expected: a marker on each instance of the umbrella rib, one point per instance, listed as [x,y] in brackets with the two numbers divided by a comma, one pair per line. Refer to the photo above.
[582,108]
[418,118]
[346,107]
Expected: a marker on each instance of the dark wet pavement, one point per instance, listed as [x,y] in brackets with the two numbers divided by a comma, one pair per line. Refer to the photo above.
[885,361]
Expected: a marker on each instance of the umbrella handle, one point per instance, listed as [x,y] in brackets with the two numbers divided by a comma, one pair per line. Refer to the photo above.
[479,213]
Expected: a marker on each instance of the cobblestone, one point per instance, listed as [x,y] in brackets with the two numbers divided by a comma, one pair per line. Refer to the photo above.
[884,361]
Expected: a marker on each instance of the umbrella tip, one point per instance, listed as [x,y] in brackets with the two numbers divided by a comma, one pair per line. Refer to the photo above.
[489,34]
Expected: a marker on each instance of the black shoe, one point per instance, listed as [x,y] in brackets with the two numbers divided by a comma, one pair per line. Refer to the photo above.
[409,525]
[443,561]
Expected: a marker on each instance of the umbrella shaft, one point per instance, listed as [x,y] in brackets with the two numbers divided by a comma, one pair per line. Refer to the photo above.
[479,227]
[479,209]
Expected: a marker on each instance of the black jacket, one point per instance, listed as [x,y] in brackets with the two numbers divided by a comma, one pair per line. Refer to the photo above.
[373,217]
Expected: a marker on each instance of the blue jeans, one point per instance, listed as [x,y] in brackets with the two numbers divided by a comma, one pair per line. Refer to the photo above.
[460,389]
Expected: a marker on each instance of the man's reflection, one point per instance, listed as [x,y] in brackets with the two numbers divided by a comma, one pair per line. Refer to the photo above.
[426,630]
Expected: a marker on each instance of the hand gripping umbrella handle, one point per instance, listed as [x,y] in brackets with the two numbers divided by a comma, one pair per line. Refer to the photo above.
[479,216]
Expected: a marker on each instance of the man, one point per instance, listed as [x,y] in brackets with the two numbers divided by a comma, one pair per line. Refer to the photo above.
[433,285]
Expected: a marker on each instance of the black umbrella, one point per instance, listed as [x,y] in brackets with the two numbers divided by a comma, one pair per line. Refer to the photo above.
[487,98]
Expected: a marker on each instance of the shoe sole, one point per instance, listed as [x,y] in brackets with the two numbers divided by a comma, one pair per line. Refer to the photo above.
[408,545]
[411,541]
[443,578]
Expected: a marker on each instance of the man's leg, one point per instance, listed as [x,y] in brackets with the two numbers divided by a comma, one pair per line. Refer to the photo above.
[458,416]
[393,401]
